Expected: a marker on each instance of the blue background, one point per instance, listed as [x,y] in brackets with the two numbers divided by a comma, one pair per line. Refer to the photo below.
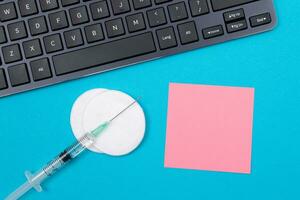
[34,126]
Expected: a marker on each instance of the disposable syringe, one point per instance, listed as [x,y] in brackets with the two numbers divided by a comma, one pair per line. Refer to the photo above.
[35,180]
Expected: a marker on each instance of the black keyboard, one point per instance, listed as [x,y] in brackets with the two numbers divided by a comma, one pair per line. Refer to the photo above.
[50,41]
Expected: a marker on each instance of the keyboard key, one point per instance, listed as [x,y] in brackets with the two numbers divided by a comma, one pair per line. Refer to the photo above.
[188,33]
[32,48]
[17,31]
[198,7]
[236,26]
[177,12]
[8,12]
[161,1]
[99,10]
[40,69]
[166,38]
[47,5]
[3,38]
[69,2]
[11,53]
[234,15]
[139,4]
[94,33]
[135,22]
[37,25]
[58,20]
[73,38]
[18,75]
[53,43]
[79,15]
[213,31]
[260,20]
[156,17]
[27,7]
[101,54]
[120,6]
[221,4]
[114,28]
[3,81]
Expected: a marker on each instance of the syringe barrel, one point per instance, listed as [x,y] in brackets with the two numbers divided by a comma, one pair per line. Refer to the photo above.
[68,154]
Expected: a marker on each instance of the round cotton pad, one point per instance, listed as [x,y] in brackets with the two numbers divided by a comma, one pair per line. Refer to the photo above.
[124,133]
[78,110]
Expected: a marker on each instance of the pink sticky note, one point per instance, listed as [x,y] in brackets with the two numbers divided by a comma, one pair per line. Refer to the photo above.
[209,128]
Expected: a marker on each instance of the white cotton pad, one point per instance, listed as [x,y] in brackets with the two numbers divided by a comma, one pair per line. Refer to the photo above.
[124,133]
[78,110]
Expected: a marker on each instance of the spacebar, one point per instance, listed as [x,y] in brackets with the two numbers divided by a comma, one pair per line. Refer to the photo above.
[104,53]
[223,4]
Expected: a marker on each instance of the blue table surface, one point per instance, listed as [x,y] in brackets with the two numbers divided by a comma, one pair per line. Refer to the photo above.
[34,126]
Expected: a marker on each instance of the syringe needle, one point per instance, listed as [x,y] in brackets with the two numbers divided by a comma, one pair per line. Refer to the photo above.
[117,115]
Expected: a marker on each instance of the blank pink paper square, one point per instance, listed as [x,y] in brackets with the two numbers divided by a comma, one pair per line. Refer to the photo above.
[209,128]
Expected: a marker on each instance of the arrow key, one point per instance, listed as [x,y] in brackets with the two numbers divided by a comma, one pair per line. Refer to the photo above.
[212,32]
